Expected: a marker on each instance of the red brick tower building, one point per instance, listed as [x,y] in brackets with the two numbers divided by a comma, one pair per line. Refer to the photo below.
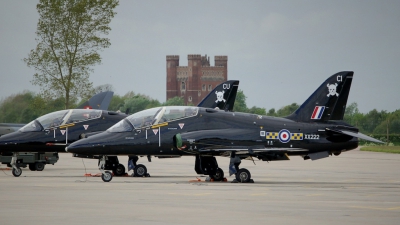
[195,81]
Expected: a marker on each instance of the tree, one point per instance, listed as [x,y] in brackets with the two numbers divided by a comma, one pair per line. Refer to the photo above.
[287,110]
[271,112]
[116,103]
[240,102]
[138,103]
[352,115]
[372,119]
[27,106]
[257,110]
[390,125]
[175,101]
[69,38]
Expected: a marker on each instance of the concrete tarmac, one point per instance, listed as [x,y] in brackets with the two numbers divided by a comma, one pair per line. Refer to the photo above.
[353,188]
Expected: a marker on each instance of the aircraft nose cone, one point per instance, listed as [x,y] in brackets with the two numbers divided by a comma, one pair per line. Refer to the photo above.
[78,146]
[98,144]
[11,138]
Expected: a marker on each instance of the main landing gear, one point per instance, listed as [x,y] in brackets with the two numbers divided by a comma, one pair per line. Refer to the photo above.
[242,175]
[139,170]
[208,165]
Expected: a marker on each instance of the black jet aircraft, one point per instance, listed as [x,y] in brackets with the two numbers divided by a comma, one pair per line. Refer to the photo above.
[98,101]
[314,131]
[53,131]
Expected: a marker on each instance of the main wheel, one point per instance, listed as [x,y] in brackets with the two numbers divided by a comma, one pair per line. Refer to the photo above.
[39,166]
[106,176]
[119,170]
[17,172]
[140,170]
[219,175]
[243,175]
[32,167]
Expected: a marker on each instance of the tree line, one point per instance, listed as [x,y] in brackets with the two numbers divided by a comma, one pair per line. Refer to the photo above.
[26,106]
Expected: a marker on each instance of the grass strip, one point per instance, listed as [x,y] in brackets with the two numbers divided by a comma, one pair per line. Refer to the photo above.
[387,149]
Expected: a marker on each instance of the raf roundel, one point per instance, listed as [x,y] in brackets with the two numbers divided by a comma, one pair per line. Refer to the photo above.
[284,136]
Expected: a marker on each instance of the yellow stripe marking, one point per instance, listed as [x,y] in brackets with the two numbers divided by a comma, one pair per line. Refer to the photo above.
[159,125]
[67,125]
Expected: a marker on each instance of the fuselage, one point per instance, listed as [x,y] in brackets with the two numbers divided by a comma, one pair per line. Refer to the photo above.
[52,132]
[213,129]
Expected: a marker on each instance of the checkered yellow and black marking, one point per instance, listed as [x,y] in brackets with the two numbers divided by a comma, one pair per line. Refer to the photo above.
[297,136]
[272,135]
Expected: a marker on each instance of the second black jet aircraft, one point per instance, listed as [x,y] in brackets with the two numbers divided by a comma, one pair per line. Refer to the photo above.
[315,130]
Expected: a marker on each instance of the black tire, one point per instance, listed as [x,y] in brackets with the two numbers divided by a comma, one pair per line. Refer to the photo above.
[17,172]
[119,170]
[32,166]
[140,170]
[106,176]
[39,166]
[219,175]
[243,175]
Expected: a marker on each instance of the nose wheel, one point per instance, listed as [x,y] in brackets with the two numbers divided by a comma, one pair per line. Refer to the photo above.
[16,171]
[106,176]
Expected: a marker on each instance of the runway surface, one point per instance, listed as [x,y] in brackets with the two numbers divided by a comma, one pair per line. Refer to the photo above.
[353,188]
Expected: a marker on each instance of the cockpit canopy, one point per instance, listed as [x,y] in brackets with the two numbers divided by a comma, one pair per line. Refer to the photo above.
[62,117]
[153,116]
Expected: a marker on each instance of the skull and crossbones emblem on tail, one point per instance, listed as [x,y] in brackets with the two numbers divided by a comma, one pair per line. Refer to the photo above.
[332,89]
[220,96]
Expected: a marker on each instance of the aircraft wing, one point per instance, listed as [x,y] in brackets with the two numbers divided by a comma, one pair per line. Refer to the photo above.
[356,134]
[224,141]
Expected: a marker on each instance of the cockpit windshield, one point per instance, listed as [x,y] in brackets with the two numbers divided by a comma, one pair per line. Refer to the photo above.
[58,118]
[154,116]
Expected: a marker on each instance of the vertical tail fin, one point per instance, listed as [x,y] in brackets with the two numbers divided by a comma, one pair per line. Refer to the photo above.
[328,102]
[98,101]
[223,96]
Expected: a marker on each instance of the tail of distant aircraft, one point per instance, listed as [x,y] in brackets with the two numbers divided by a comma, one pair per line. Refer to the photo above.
[223,96]
[328,102]
[99,101]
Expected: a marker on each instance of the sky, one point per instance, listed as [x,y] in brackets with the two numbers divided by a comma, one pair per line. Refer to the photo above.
[281,51]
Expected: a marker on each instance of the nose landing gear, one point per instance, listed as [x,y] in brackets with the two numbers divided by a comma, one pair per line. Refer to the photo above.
[106,176]
[16,171]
